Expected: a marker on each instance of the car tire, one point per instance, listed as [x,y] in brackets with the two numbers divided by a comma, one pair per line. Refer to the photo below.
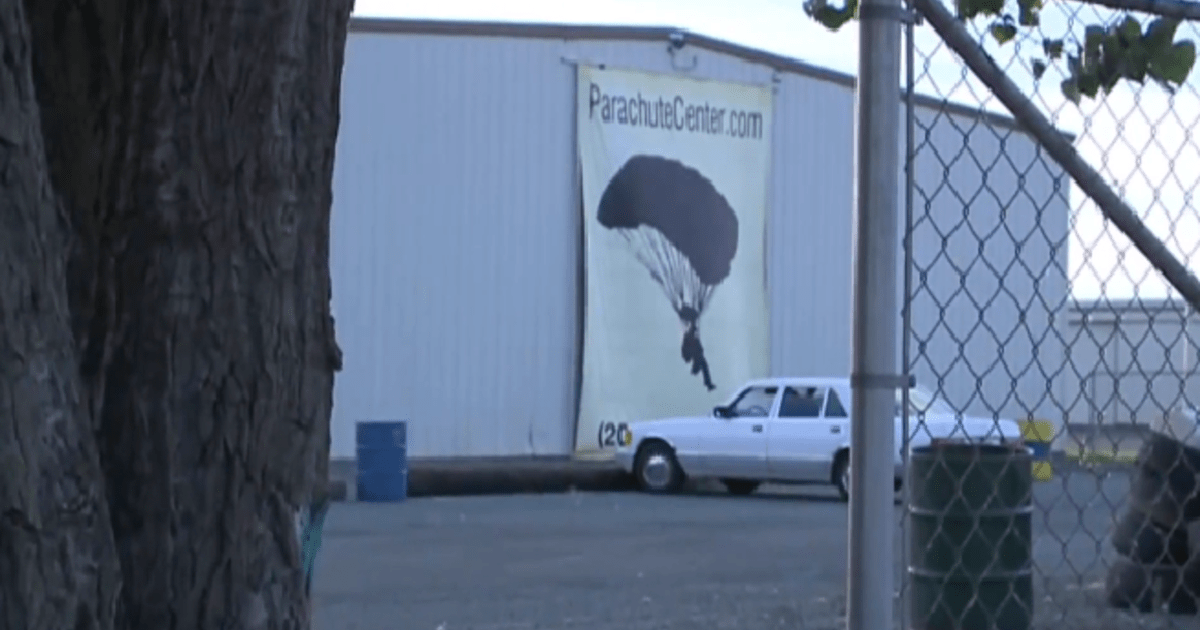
[657,471]
[740,487]
[841,475]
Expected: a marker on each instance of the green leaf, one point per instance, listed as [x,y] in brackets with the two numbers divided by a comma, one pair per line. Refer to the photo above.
[1053,48]
[1111,45]
[1176,64]
[1089,84]
[969,9]
[1160,34]
[1136,62]
[1004,31]
[1093,35]
[1039,68]
[1129,31]
[1118,56]
[1029,12]
[1136,69]
[831,17]
[1070,90]
[1108,78]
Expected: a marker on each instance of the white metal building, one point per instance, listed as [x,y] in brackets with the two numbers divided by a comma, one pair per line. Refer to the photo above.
[1131,360]
[457,256]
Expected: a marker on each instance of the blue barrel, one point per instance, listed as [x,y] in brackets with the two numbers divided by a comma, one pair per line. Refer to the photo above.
[1041,450]
[382,449]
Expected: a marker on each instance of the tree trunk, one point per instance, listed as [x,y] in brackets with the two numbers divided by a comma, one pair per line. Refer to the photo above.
[58,567]
[192,144]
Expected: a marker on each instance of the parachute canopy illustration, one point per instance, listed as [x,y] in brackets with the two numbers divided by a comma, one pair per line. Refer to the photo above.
[678,226]
[682,230]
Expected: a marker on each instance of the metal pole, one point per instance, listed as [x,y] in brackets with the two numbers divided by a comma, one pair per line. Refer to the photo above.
[876,321]
[1188,360]
[910,182]
[1185,368]
[1187,340]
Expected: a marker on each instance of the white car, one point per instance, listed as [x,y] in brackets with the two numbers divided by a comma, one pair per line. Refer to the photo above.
[784,430]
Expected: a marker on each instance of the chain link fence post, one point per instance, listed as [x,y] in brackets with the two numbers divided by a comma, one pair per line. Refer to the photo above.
[910,126]
[876,334]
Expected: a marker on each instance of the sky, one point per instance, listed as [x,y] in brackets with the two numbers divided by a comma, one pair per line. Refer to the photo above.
[1144,141]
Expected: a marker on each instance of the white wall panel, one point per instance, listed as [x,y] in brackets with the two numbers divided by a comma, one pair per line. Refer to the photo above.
[455,243]
[812,215]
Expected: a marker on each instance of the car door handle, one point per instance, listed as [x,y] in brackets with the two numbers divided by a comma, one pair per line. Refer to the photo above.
[756,428]
[835,429]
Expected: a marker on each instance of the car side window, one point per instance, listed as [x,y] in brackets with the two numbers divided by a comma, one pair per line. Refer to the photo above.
[833,406]
[753,402]
[802,402]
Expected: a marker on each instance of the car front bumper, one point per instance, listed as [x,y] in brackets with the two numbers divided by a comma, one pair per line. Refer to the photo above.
[624,458]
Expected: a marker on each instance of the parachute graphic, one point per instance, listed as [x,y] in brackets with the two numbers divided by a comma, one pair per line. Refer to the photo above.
[681,229]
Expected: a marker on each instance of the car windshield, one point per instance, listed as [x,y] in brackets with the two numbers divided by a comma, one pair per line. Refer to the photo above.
[922,401]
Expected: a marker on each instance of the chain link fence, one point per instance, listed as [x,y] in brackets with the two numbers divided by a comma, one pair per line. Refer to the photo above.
[1024,303]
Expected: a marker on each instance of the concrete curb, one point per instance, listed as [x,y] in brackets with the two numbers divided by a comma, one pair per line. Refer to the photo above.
[462,477]
[1069,462]
[470,476]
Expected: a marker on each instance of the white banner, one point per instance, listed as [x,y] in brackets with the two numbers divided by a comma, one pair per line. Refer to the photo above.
[675,175]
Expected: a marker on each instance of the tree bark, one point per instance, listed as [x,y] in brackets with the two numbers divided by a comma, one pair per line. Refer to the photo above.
[58,566]
[192,144]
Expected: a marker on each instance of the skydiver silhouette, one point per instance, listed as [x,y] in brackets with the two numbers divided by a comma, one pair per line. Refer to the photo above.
[691,350]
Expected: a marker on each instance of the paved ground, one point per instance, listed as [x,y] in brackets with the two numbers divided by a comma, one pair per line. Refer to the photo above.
[626,561]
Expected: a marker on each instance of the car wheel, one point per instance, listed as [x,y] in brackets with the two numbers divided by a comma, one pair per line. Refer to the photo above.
[740,487]
[841,475]
[657,470]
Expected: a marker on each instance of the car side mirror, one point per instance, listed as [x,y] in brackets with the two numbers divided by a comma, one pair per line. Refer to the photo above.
[720,412]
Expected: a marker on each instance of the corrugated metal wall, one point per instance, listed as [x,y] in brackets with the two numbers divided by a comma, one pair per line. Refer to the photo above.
[990,268]
[455,244]
[456,253]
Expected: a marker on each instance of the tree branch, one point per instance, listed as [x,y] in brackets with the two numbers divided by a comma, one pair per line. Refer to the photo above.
[956,36]
[1178,9]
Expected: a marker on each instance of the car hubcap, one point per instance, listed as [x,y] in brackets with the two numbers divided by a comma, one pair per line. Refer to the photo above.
[846,478]
[657,470]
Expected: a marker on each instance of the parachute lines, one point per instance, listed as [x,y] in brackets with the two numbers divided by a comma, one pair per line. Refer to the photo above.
[672,271]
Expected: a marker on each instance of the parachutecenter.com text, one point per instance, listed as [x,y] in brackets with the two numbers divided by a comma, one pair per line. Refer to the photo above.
[672,113]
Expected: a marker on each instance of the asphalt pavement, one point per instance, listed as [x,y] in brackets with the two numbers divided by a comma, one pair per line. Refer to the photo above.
[628,561]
